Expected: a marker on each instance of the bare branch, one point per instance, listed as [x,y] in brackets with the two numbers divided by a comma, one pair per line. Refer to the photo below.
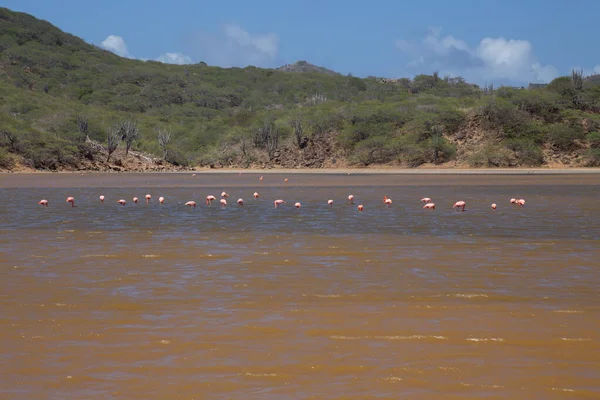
[298,127]
[164,138]
[267,138]
[82,125]
[129,132]
[113,136]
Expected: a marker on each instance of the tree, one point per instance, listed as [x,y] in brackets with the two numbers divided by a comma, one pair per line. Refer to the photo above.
[442,149]
[437,132]
[272,139]
[82,125]
[267,138]
[113,136]
[577,79]
[298,127]
[164,138]
[244,143]
[12,138]
[129,132]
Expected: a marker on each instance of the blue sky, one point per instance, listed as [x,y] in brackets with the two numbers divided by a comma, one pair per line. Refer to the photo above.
[485,41]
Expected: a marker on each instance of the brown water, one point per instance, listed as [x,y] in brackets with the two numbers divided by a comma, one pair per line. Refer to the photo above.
[166,302]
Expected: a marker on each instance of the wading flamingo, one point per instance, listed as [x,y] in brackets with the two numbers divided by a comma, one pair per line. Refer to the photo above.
[161,200]
[209,199]
[460,205]
[191,204]
[286,180]
[261,179]
[360,207]
[71,200]
[101,198]
[256,195]
[43,202]
[513,201]
[429,206]
[240,201]
[135,200]
[330,202]
[223,202]
[278,202]
[297,205]
[426,200]
[224,195]
[148,197]
[122,202]
[387,201]
[494,206]
[351,199]
[521,202]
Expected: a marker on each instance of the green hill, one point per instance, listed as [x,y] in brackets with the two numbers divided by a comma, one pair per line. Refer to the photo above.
[62,98]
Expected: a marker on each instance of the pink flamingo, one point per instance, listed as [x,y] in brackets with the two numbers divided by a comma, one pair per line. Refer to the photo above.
[240,201]
[209,200]
[71,200]
[148,197]
[351,199]
[494,206]
[135,200]
[286,180]
[223,202]
[224,195]
[513,201]
[161,200]
[43,202]
[360,207]
[460,205]
[256,195]
[101,198]
[429,206]
[122,202]
[426,200]
[278,202]
[521,202]
[330,202]
[297,205]
[261,179]
[191,204]
[387,201]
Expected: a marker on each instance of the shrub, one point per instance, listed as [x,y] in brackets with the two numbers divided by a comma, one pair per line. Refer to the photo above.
[563,137]
[527,152]
[438,147]
[177,158]
[7,160]
[411,152]
[492,155]
[593,139]
[376,149]
[592,157]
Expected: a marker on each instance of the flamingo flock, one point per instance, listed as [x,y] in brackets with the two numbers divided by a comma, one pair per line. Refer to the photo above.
[428,203]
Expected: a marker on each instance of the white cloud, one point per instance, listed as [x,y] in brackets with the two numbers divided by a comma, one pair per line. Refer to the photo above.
[235,47]
[174,58]
[493,59]
[116,44]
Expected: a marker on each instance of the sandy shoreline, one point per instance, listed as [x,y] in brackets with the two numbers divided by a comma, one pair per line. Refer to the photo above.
[353,171]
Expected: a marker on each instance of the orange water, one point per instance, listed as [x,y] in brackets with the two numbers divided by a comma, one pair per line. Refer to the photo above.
[167,302]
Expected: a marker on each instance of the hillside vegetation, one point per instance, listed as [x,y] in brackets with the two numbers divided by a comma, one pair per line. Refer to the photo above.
[66,104]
